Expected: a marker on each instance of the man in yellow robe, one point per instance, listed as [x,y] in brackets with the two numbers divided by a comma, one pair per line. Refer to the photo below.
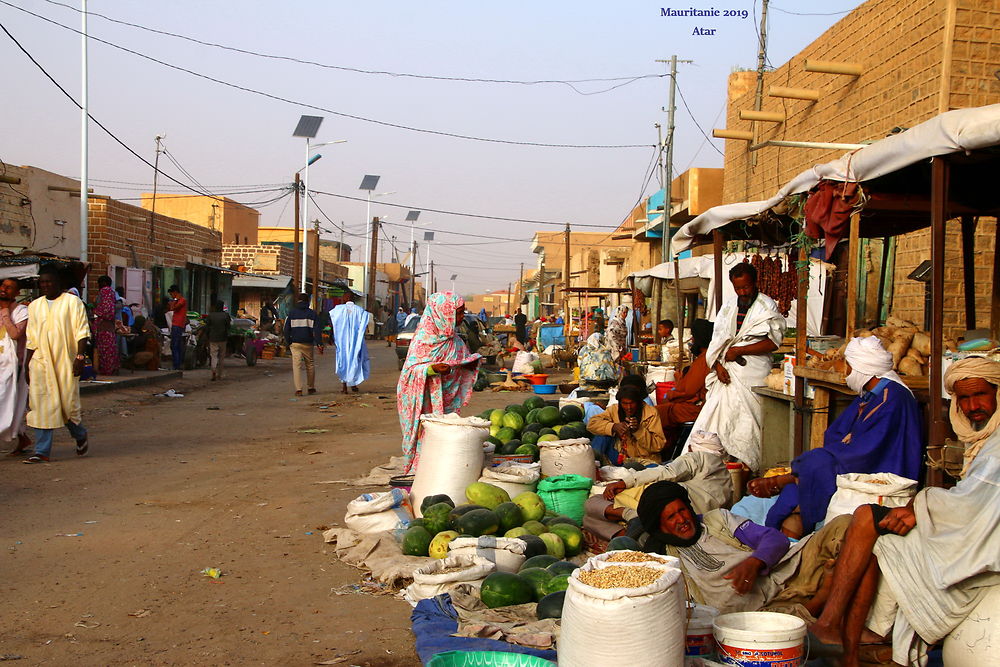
[57,341]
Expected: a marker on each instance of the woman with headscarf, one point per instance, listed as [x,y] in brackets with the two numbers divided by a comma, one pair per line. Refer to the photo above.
[617,333]
[439,371]
[878,432]
[596,363]
[631,429]
[108,358]
[411,316]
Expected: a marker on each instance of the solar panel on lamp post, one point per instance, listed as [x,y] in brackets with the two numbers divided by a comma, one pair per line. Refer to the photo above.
[369,183]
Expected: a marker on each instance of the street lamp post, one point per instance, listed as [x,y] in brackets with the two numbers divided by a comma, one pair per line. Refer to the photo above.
[453,277]
[369,183]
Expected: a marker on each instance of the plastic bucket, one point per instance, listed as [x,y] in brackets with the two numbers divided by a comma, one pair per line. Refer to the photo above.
[537,378]
[487,659]
[661,390]
[700,642]
[403,482]
[760,639]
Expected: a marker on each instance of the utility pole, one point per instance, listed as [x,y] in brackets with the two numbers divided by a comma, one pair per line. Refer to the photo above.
[430,281]
[156,173]
[295,240]
[565,299]
[316,266]
[520,287]
[370,287]
[541,283]
[413,273]
[508,298]
[761,56]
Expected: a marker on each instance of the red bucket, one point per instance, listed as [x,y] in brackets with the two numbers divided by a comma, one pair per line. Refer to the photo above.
[661,390]
[537,378]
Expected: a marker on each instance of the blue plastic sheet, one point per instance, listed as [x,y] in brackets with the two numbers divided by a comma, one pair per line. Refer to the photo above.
[435,619]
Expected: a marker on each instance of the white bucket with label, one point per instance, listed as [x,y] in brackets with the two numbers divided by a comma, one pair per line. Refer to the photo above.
[700,642]
[760,639]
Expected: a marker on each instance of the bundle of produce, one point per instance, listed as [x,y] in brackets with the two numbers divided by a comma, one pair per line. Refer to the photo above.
[519,428]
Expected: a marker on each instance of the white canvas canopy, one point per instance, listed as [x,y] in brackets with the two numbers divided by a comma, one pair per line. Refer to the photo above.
[951,132]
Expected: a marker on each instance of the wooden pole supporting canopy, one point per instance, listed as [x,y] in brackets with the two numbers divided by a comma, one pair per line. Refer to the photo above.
[939,215]
[743,135]
[793,93]
[853,253]
[833,67]
[767,116]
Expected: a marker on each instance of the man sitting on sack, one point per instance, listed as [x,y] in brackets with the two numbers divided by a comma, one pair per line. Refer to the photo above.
[940,555]
[702,472]
[630,428]
[733,564]
[878,432]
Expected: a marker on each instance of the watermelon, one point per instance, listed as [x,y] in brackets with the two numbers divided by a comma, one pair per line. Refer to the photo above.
[503,589]
[531,504]
[494,440]
[551,605]
[578,425]
[571,433]
[478,522]
[516,531]
[487,495]
[460,511]
[510,447]
[538,578]
[416,522]
[548,416]
[534,527]
[542,561]
[558,582]
[513,421]
[547,431]
[623,543]
[558,429]
[527,449]
[553,544]
[416,541]
[570,413]
[486,414]
[534,546]
[436,517]
[571,536]
[496,417]
[529,437]
[533,402]
[434,500]
[531,427]
[561,567]
[558,518]
[510,515]
[439,545]
[505,434]
[532,417]
[518,408]
[494,429]
[548,437]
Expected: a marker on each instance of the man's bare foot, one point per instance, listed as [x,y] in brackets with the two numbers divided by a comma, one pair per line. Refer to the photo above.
[825,634]
[869,637]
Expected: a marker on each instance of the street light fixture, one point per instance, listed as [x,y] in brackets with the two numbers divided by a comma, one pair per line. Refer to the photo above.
[453,277]
[369,183]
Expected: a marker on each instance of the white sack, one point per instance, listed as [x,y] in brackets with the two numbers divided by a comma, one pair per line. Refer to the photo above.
[857,489]
[567,457]
[451,456]
[524,362]
[504,552]
[607,627]
[513,477]
[601,560]
[429,581]
[377,512]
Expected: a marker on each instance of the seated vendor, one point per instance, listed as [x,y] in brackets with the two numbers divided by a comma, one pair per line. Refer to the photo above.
[878,432]
[702,472]
[683,403]
[733,564]
[628,430]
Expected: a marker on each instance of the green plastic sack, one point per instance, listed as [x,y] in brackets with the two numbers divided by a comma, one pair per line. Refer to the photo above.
[566,494]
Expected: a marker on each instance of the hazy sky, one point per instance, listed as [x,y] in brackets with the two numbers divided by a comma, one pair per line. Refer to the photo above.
[229,139]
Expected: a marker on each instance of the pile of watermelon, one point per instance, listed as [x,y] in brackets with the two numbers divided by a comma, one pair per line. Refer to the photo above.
[518,428]
[548,539]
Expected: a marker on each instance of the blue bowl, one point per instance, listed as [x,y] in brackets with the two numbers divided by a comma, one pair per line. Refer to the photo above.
[545,388]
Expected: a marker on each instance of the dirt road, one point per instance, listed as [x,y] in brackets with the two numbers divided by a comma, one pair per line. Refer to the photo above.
[103,554]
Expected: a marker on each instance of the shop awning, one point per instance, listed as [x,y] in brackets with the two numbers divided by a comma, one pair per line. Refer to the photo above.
[261,282]
[19,271]
[958,131]
[212,267]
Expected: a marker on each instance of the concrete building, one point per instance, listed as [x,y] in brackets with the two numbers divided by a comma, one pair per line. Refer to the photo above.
[237,223]
[39,212]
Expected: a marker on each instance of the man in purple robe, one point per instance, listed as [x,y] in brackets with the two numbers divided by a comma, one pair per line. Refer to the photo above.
[878,432]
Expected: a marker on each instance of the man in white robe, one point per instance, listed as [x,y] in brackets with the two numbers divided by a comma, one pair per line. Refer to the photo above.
[13,383]
[939,555]
[747,330]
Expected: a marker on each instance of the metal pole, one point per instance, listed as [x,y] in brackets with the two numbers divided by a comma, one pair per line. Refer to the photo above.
[316,267]
[430,284]
[84,138]
[413,271]
[663,184]
[305,222]
[761,56]
[368,236]
[152,207]
[295,238]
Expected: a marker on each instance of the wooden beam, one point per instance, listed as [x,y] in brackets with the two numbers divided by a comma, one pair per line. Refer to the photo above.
[793,93]
[969,269]
[801,340]
[853,252]
[12,180]
[742,135]
[72,191]
[833,67]
[939,196]
[766,116]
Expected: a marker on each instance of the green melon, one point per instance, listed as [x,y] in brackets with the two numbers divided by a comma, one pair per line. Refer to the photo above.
[547,431]
[416,541]
[535,527]
[518,408]
[533,545]
[570,413]
[533,402]
[503,589]
[513,421]
[434,500]
[548,437]
[548,416]
[542,561]
[531,417]
[510,447]
[623,543]
[496,417]
[531,504]
[559,582]
[558,518]
[510,515]
[554,544]
[458,512]
[551,605]
[538,577]
[561,567]
[529,437]
[517,532]
[494,440]
[478,522]
[532,427]
[505,434]
[527,449]
[439,545]
[436,517]
[487,495]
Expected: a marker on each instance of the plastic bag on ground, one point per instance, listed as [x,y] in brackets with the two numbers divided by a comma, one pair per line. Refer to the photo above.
[443,575]
[857,489]
[378,512]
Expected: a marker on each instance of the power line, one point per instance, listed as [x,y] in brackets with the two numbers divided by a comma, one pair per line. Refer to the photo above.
[622,80]
[316,107]
[695,121]
[787,11]
[90,116]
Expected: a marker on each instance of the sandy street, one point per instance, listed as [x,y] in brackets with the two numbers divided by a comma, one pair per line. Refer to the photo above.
[102,555]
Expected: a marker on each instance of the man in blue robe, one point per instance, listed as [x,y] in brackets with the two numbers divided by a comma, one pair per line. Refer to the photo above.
[878,432]
[349,324]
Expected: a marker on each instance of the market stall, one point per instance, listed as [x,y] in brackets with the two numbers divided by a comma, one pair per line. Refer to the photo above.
[942,169]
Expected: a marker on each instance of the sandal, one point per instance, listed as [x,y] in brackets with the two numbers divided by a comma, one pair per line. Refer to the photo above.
[82,447]
[36,458]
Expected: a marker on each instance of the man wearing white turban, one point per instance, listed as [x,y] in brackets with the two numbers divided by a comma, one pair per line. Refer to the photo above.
[939,555]
[878,432]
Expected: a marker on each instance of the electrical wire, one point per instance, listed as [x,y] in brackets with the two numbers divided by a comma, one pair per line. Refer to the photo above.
[625,79]
[695,120]
[91,117]
[705,140]
[316,107]
[787,11]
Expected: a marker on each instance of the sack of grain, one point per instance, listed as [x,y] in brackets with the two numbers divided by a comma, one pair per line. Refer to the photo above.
[857,489]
